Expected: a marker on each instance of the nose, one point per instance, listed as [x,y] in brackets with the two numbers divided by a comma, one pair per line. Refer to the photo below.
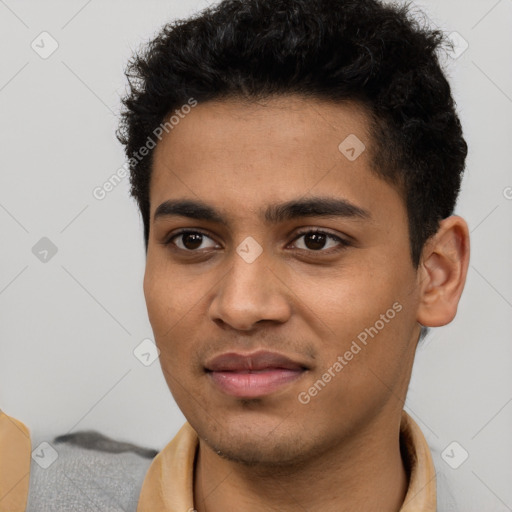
[250,293]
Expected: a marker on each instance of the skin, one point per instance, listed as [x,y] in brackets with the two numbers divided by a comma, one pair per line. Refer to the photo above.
[340,451]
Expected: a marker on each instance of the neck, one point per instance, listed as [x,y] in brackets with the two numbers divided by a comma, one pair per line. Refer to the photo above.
[363,473]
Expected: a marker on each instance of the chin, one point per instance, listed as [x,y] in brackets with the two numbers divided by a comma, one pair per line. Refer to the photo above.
[256,444]
[257,454]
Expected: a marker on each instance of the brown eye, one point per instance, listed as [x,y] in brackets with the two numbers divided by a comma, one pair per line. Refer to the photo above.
[191,240]
[319,241]
[315,241]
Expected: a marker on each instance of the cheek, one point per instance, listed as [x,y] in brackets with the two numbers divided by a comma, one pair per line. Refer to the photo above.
[170,310]
[371,302]
[164,290]
[166,298]
[346,300]
[175,306]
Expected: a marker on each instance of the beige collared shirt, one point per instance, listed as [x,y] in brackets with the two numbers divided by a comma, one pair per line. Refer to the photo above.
[168,486]
[15,452]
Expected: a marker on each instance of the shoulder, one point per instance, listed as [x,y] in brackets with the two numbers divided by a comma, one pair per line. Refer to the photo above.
[86,471]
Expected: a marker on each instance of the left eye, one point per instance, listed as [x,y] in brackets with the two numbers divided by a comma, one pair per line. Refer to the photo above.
[317,240]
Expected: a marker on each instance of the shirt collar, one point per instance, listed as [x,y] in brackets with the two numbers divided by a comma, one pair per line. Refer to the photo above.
[168,485]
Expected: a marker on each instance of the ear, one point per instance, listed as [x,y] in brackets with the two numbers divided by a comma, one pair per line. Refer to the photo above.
[442,272]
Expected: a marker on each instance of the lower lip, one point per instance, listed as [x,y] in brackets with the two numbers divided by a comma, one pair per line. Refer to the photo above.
[254,384]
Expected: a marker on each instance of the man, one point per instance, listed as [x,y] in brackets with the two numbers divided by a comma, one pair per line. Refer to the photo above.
[296,164]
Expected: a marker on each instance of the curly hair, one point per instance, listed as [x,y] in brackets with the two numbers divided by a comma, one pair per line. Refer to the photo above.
[377,55]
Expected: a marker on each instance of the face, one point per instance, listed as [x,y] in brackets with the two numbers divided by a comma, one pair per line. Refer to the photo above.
[281,294]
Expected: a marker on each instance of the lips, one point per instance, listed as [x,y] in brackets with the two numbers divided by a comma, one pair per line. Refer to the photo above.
[253,375]
[251,362]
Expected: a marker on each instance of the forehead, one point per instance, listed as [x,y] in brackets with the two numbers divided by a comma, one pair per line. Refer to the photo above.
[239,155]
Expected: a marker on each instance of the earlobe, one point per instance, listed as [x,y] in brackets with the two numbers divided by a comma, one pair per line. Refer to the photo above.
[442,272]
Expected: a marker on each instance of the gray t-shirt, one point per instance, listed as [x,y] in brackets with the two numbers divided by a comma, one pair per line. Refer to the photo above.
[86,472]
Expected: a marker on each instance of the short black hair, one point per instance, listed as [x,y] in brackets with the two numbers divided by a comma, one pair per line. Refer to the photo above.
[377,55]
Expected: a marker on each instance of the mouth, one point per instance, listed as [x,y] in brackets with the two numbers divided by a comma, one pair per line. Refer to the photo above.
[253,375]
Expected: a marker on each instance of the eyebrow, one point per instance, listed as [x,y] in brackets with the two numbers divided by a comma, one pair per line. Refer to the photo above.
[274,213]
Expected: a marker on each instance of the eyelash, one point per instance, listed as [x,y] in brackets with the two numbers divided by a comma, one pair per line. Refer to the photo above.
[342,243]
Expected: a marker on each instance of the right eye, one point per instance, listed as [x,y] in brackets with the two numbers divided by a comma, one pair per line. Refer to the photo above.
[189,241]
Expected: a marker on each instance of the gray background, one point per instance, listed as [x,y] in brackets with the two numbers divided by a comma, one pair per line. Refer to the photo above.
[69,325]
